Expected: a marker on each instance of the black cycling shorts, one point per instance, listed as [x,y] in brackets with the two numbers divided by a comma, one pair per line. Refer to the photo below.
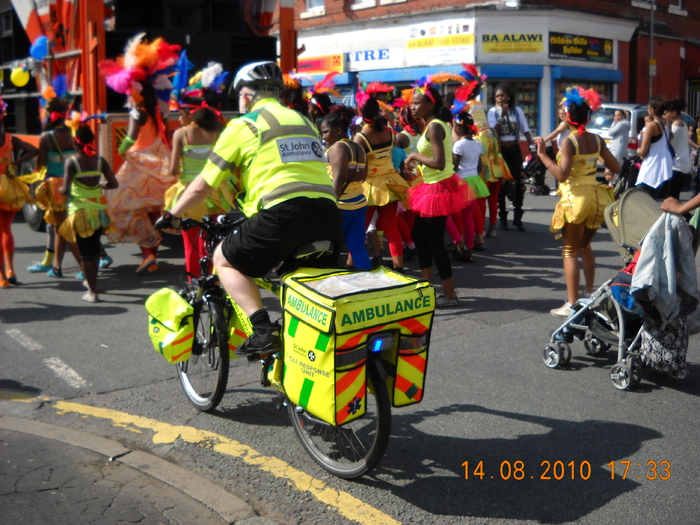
[270,237]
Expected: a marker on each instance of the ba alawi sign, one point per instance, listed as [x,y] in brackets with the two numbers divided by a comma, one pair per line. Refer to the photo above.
[578,47]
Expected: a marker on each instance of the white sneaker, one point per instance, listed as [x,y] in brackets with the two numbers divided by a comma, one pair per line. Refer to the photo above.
[553,193]
[563,311]
[91,298]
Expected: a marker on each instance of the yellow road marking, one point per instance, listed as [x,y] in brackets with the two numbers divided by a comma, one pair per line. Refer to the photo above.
[345,504]
[22,398]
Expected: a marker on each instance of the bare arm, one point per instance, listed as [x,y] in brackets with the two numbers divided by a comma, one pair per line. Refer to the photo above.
[43,151]
[111,181]
[135,125]
[195,194]
[646,138]
[456,160]
[562,170]
[68,173]
[30,151]
[176,153]
[559,129]
[674,205]
[338,158]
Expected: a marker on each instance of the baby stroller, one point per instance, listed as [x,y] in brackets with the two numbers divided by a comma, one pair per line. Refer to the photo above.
[627,177]
[611,317]
[534,171]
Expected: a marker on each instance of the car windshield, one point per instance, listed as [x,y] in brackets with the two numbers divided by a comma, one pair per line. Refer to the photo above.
[602,119]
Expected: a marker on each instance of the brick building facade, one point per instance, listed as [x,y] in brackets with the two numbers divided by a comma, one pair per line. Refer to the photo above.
[539,47]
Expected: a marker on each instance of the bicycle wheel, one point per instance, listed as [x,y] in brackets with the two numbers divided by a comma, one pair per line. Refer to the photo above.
[205,374]
[355,448]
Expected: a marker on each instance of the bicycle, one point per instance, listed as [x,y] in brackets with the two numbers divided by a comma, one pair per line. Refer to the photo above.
[347,451]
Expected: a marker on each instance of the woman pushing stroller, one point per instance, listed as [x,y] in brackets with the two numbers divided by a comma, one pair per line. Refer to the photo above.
[579,212]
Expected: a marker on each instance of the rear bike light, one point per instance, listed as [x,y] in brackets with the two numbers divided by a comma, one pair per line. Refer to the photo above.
[381,342]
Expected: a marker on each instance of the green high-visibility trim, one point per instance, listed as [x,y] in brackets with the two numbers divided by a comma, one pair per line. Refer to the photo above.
[305,395]
[292,328]
[322,342]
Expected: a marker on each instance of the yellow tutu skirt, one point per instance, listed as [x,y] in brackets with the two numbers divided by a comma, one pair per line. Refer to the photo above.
[49,198]
[13,193]
[83,223]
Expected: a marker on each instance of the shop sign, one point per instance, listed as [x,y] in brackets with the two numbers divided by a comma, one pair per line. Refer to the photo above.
[577,47]
[512,43]
[324,64]
[380,58]
[440,43]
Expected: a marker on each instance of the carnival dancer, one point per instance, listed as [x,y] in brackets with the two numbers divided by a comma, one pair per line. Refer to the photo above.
[466,154]
[193,143]
[346,163]
[142,75]
[442,192]
[13,194]
[319,98]
[292,95]
[580,210]
[87,217]
[384,187]
[508,120]
[55,145]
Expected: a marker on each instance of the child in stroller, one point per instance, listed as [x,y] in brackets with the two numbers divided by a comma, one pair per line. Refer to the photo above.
[635,316]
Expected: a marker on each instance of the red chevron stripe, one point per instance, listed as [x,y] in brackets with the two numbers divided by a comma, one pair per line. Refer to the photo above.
[416,361]
[355,340]
[414,326]
[178,356]
[347,380]
[183,339]
[404,384]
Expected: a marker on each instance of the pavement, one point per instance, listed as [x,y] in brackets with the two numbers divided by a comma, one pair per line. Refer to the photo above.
[51,474]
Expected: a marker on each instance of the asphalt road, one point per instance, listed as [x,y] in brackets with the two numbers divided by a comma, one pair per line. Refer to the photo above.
[492,409]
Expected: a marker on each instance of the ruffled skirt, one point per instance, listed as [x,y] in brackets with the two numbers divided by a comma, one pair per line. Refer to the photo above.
[83,223]
[580,203]
[478,186]
[440,199]
[13,193]
[50,199]
[380,190]
[143,180]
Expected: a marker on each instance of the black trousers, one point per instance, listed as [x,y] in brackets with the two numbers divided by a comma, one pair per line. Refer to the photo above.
[429,235]
[514,159]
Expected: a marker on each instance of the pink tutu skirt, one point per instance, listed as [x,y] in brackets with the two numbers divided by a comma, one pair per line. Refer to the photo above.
[440,199]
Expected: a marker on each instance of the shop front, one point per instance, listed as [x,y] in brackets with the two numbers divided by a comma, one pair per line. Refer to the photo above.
[559,49]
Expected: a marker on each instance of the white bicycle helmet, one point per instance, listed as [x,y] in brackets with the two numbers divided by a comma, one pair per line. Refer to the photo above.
[265,73]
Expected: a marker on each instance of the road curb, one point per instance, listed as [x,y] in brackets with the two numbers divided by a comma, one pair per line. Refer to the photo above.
[230,507]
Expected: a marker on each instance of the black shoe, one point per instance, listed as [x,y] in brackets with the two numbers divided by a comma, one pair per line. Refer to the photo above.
[258,344]
[377,262]
[409,254]
[504,224]
[519,225]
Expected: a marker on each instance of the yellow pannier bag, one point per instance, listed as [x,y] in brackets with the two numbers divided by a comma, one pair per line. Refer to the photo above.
[329,316]
[170,325]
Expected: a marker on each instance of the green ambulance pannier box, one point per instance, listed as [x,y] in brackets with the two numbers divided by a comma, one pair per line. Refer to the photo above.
[328,317]
[170,325]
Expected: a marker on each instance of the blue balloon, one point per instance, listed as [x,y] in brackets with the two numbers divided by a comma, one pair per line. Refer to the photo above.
[40,48]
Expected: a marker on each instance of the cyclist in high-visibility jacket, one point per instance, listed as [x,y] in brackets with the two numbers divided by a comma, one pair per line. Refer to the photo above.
[274,156]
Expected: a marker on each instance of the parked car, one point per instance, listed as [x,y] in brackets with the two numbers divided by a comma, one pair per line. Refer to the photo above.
[602,119]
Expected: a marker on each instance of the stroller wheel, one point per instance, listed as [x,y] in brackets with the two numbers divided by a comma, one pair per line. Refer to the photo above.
[621,376]
[635,365]
[595,346]
[565,352]
[552,355]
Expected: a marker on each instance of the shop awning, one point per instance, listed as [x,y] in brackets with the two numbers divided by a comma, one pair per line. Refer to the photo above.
[586,73]
[526,71]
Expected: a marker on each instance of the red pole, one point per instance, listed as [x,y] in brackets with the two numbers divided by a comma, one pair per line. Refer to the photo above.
[288,37]
[92,44]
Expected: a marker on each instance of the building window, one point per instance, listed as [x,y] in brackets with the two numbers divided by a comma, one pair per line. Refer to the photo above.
[313,8]
[362,4]
[675,7]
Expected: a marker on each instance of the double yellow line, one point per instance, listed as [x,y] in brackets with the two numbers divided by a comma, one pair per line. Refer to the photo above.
[345,504]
